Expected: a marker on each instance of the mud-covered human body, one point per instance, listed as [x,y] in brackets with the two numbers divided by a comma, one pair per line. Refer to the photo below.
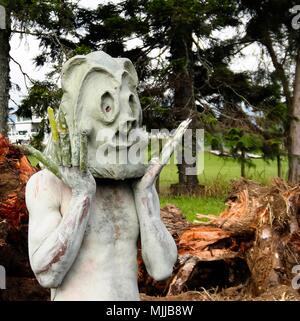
[84,222]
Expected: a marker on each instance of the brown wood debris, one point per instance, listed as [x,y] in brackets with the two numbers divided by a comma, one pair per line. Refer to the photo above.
[254,242]
[15,170]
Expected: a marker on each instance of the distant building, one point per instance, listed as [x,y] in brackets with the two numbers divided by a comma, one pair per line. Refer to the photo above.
[23,129]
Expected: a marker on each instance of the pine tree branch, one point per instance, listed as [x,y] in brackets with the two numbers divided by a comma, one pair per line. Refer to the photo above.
[25,75]
[30,33]
[267,41]
[51,35]
[14,102]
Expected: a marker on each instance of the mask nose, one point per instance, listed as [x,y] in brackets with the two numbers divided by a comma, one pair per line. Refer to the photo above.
[126,126]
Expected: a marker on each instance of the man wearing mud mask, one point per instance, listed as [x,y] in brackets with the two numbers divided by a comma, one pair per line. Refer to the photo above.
[86,207]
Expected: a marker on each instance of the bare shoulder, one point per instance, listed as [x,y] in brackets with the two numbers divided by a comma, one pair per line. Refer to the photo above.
[44,178]
[45,187]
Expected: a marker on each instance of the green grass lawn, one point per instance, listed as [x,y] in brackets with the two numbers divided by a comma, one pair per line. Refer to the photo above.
[224,169]
[217,174]
[190,206]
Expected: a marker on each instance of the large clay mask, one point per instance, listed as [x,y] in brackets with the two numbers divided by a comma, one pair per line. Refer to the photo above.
[100,98]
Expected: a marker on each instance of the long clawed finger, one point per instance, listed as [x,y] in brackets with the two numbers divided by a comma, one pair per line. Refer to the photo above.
[55,135]
[157,163]
[65,154]
[62,145]
[46,161]
[64,138]
[182,128]
[83,151]
[174,141]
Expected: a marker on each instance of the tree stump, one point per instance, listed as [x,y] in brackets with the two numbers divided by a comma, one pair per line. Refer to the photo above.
[15,170]
[254,243]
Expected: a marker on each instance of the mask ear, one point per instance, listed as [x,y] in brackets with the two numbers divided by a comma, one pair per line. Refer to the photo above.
[129,67]
[70,71]
[72,75]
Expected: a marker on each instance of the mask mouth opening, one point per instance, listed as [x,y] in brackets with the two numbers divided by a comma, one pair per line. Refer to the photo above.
[118,172]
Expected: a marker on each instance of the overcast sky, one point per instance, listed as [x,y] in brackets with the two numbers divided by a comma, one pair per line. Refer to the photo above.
[24,50]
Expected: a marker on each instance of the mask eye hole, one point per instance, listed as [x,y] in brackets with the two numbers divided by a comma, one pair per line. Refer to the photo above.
[132,103]
[135,108]
[131,100]
[107,104]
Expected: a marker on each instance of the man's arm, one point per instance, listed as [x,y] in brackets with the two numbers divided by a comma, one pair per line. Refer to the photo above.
[159,250]
[54,240]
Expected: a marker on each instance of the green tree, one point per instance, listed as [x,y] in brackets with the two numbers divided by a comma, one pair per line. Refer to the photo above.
[41,95]
[244,101]
[270,25]
[49,21]
[241,143]
[170,31]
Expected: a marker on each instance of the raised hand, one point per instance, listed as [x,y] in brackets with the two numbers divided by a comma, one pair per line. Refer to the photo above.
[64,164]
[159,250]
[157,163]
[55,237]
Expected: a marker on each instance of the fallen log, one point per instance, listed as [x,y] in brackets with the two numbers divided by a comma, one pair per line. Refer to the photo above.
[198,246]
[273,213]
[254,242]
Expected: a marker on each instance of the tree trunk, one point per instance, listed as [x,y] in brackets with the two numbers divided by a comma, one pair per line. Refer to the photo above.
[243,164]
[4,72]
[294,129]
[279,166]
[293,105]
[157,185]
[279,69]
[184,101]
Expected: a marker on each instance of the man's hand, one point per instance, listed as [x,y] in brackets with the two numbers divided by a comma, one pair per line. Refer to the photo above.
[78,178]
[159,249]
[55,238]
[157,163]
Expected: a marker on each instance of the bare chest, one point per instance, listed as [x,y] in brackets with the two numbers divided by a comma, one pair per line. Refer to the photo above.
[108,248]
[113,214]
